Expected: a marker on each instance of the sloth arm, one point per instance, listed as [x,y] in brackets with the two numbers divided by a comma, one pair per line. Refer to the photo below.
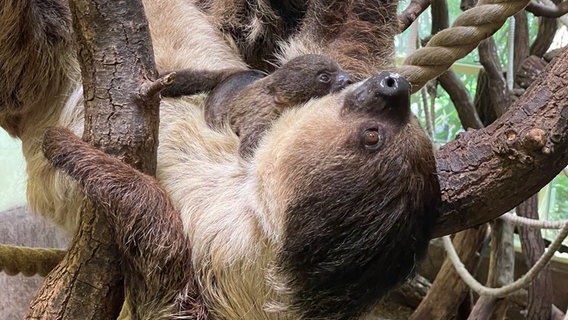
[134,201]
[188,82]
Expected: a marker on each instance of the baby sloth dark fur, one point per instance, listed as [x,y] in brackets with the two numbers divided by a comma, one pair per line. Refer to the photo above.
[251,110]
[249,101]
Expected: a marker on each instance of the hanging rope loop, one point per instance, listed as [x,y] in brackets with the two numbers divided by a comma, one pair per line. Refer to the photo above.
[454,43]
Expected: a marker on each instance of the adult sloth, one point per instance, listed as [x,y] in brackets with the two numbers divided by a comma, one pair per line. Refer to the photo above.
[333,209]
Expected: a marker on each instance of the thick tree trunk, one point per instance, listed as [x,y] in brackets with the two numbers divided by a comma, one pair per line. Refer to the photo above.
[448,290]
[116,60]
[540,294]
[500,273]
[87,284]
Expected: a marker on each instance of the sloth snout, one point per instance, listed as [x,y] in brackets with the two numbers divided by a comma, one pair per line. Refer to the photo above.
[342,81]
[386,95]
[392,85]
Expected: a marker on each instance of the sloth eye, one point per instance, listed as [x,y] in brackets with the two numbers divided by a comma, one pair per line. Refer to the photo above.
[324,77]
[372,139]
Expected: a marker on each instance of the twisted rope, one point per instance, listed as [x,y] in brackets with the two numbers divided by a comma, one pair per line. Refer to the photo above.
[449,45]
[511,287]
[28,261]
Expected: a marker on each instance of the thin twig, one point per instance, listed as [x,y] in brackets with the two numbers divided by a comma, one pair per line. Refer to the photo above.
[152,88]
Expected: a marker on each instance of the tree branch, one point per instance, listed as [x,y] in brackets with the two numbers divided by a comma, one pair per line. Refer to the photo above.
[448,290]
[449,80]
[539,293]
[522,49]
[543,10]
[544,37]
[499,93]
[411,13]
[461,99]
[500,271]
[486,172]
[116,60]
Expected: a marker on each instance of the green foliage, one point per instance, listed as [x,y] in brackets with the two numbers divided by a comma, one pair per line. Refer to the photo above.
[446,123]
[558,210]
[554,203]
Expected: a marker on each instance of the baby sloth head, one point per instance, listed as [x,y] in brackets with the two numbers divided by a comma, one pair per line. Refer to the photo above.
[357,197]
[305,77]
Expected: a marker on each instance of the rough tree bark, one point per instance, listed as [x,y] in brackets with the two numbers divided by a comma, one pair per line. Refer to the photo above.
[540,294]
[512,148]
[486,172]
[448,290]
[116,60]
[88,283]
[546,31]
[502,255]
[500,273]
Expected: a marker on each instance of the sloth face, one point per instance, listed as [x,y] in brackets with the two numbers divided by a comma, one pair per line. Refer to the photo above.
[308,76]
[356,192]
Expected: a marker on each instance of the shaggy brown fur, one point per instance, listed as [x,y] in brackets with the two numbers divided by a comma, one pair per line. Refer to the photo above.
[133,201]
[248,105]
[357,34]
[31,76]
[222,98]
[256,27]
[251,110]
[350,215]
[333,208]
[188,82]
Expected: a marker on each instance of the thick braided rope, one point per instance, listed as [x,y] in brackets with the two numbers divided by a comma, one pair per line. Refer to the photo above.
[28,261]
[449,45]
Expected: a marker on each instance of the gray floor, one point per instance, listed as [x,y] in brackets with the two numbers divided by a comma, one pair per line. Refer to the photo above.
[19,227]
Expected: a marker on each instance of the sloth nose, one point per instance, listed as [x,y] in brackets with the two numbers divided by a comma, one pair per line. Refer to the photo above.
[386,95]
[341,81]
[393,86]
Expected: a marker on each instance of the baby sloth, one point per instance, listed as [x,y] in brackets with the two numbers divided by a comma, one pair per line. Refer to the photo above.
[251,110]
[249,101]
